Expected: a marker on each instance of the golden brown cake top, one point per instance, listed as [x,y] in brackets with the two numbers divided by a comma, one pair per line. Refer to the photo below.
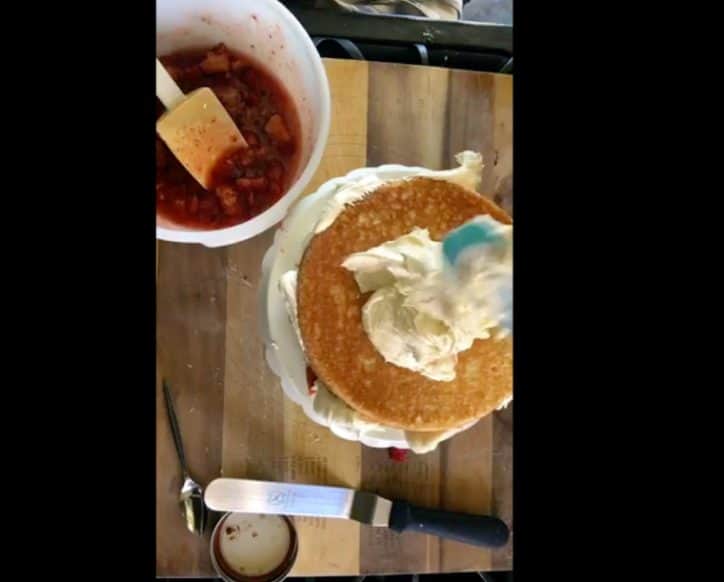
[330,306]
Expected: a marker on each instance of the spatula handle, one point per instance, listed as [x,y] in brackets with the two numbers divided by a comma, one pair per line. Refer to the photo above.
[166,88]
[477,530]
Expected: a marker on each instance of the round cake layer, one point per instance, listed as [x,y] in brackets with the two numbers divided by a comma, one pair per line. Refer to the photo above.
[330,307]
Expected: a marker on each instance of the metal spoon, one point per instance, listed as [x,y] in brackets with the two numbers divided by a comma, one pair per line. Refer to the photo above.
[192,495]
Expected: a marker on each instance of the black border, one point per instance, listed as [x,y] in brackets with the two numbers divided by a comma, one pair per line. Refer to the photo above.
[576,113]
[84,480]
[88,457]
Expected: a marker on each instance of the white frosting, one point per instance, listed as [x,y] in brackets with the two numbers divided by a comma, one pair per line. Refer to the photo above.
[288,288]
[347,194]
[420,314]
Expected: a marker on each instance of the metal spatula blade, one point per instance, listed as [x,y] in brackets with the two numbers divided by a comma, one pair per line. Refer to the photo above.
[247,496]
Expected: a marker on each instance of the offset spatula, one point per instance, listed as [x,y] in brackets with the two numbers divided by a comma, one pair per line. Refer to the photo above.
[246,496]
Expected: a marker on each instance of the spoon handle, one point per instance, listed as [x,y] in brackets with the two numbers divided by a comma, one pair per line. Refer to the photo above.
[175,428]
[166,88]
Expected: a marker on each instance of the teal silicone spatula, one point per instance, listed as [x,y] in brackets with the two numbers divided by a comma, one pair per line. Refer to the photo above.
[468,236]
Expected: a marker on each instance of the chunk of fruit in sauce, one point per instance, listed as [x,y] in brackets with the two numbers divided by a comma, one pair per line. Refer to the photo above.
[216,63]
[277,130]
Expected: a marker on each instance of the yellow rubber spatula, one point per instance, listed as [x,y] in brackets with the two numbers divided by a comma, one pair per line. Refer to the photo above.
[196,127]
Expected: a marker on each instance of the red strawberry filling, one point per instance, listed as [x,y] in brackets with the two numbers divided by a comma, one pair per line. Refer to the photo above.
[397,454]
[311,379]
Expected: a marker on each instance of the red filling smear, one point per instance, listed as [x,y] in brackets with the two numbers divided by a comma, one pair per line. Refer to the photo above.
[397,454]
[311,379]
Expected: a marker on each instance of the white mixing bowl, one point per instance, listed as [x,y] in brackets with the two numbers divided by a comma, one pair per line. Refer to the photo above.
[266,31]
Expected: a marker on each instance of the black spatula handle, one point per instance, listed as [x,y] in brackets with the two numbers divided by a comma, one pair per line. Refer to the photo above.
[478,530]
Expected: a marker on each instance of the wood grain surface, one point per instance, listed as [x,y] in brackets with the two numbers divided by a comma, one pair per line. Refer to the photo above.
[234,417]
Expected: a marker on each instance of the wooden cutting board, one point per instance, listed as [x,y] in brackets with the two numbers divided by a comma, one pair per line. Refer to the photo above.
[234,417]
